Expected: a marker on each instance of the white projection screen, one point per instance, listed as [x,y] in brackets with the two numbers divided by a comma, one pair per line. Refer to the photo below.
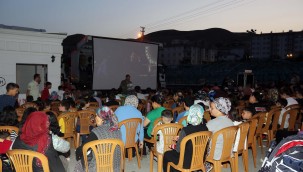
[114,58]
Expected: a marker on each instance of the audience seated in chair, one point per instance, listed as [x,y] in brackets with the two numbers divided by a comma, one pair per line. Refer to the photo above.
[195,124]
[108,128]
[35,136]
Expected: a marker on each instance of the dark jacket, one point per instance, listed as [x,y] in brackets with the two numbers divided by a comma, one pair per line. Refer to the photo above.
[54,162]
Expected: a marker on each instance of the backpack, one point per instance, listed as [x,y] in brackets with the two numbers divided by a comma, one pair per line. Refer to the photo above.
[286,156]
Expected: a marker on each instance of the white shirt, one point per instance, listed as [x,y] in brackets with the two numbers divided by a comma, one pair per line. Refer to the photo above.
[34,90]
[290,101]
[60,94]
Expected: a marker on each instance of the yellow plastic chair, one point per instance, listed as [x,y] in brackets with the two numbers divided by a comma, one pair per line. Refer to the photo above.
[199,141]
[22,160]
[104,152]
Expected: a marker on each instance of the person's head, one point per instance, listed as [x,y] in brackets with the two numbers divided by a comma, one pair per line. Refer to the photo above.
[53,123]
[29,98]
[281,103]
[47,105]
[255,97]
[60,88]
[138,89]
[220,107]
[8,117]
[105,116]
[167,116]
[37,78]
[127,77]
[177,96]
[48,85]
[12,89]
[83,104]
[285,93]
[195,115]
[131,100]
[64,106]
[35,132]
[26,113]
[188,102]
[4,135]
[157,101]
[112,96]
[40,104]
[247,113]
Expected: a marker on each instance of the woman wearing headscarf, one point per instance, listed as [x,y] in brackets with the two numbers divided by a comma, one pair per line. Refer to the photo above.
[35,136]
[195,124]
[128,111]
[219,109]
[107,128]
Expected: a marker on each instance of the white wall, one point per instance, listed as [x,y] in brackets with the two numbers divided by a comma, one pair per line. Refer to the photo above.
[25,47]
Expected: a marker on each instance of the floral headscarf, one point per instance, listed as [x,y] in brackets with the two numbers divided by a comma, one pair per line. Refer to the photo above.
[108,117]
[131,100]
[195,115]
[223,105]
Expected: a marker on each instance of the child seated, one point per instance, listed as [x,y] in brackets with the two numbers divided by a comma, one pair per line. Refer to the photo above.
[5,145]
[166,118]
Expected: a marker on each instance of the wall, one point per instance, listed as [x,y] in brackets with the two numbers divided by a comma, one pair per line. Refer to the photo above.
[26,47]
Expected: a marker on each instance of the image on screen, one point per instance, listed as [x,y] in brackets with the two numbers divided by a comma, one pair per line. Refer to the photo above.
[113,59]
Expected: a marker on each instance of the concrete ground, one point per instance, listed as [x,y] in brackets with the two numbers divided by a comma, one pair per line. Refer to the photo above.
[132,166]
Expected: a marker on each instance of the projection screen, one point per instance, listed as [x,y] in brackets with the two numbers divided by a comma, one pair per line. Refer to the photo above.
[114,58]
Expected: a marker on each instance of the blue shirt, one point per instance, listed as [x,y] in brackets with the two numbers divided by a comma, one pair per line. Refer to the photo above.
[6,100]
[128,112]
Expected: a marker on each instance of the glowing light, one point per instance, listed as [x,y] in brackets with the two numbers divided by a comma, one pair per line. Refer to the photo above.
[139,35]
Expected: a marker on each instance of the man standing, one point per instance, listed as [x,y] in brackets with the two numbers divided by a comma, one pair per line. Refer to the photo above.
[126,85]
[9,98]
[33,87]
[45,93]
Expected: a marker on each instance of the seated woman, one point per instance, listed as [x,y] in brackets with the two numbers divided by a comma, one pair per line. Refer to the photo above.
[9,118]
[35,136]
[219,108]
[195,124]
[107,123]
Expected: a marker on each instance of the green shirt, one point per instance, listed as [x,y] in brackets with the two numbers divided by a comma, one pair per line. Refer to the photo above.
[152,116]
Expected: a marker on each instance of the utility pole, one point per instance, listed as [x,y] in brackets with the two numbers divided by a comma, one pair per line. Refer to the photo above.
[142,33]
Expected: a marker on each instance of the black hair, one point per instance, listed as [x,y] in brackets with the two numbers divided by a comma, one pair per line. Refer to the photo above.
[258,96]
[54,125]
[127,75]
[202,104]
[188,101]
[71,102]
[36,76]
[26,113]
[66,104]
[11,86]
[40,104]
[137,88]
[47,84]
[167,114]
[29,98]
[4,134]
[250,109]
[47,103]
[285,90]
[112,96]
[60,88]
[283,102]
[82,103]
[8,117]
[158,99]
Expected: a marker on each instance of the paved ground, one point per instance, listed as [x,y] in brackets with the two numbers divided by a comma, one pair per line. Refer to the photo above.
[133,166]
